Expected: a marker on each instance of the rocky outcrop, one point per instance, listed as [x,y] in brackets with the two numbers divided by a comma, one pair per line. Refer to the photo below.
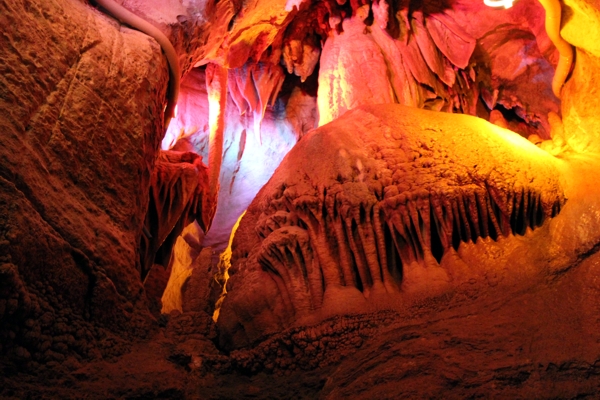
[381,212]
[78,146]
[396,252]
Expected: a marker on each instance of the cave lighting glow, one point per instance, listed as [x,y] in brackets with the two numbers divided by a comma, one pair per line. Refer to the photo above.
[513,139]
[499,3]
[214,109]
[223,268]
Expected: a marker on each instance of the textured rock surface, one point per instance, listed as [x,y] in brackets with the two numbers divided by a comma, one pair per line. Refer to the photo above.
[254,144]
[373,315]
[425,66]
[381,213]
[477,344]
[78,145]
[178,197]
[537,342]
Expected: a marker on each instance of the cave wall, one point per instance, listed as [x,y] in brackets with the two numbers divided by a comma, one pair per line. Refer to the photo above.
[254,144]
[79,140]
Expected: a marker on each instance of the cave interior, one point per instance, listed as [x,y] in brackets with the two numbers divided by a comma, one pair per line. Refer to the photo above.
[223,199]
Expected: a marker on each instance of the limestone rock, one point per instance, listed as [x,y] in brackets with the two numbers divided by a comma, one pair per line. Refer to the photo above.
[78,146]
[397,209]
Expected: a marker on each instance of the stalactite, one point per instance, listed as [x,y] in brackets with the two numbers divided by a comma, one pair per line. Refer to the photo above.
[177,197]
[482,212]
[344,252]
[464,218]
[381,248]
[216,87]
[253,87]
[362,241]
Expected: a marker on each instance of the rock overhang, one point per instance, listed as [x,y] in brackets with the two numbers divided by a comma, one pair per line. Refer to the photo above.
[396,204]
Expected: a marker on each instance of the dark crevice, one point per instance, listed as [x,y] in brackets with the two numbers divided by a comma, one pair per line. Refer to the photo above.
[462,226]
[359,283]
[455,234]
[437,249]
[302,224]
[414,237]
[363,214]
[531,211]
[289,257]
[393,256]
[301,260]
[356,239]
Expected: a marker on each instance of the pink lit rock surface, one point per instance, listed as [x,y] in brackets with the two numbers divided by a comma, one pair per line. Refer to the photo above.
[249,158]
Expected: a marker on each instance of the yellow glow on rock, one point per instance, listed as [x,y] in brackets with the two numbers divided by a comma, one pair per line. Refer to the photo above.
[223,267]
[514,139]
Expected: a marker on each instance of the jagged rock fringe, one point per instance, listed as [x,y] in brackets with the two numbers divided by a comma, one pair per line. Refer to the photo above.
[253,87]
[179,185]
[347,236]
[383,207]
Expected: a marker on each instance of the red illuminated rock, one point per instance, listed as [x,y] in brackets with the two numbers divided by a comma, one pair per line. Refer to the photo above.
[395,253]
[178,195]
[78,148]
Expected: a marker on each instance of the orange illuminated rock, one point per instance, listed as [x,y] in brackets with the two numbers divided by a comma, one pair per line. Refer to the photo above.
[400,204]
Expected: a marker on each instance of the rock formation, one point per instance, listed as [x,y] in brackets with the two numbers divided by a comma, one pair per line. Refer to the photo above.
[403,237]
[382,210]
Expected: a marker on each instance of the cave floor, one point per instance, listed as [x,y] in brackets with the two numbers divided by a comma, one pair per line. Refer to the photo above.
[532,342]
[156,369]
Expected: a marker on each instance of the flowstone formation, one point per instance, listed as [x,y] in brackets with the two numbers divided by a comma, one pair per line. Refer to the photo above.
[379,211]
[177,198]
